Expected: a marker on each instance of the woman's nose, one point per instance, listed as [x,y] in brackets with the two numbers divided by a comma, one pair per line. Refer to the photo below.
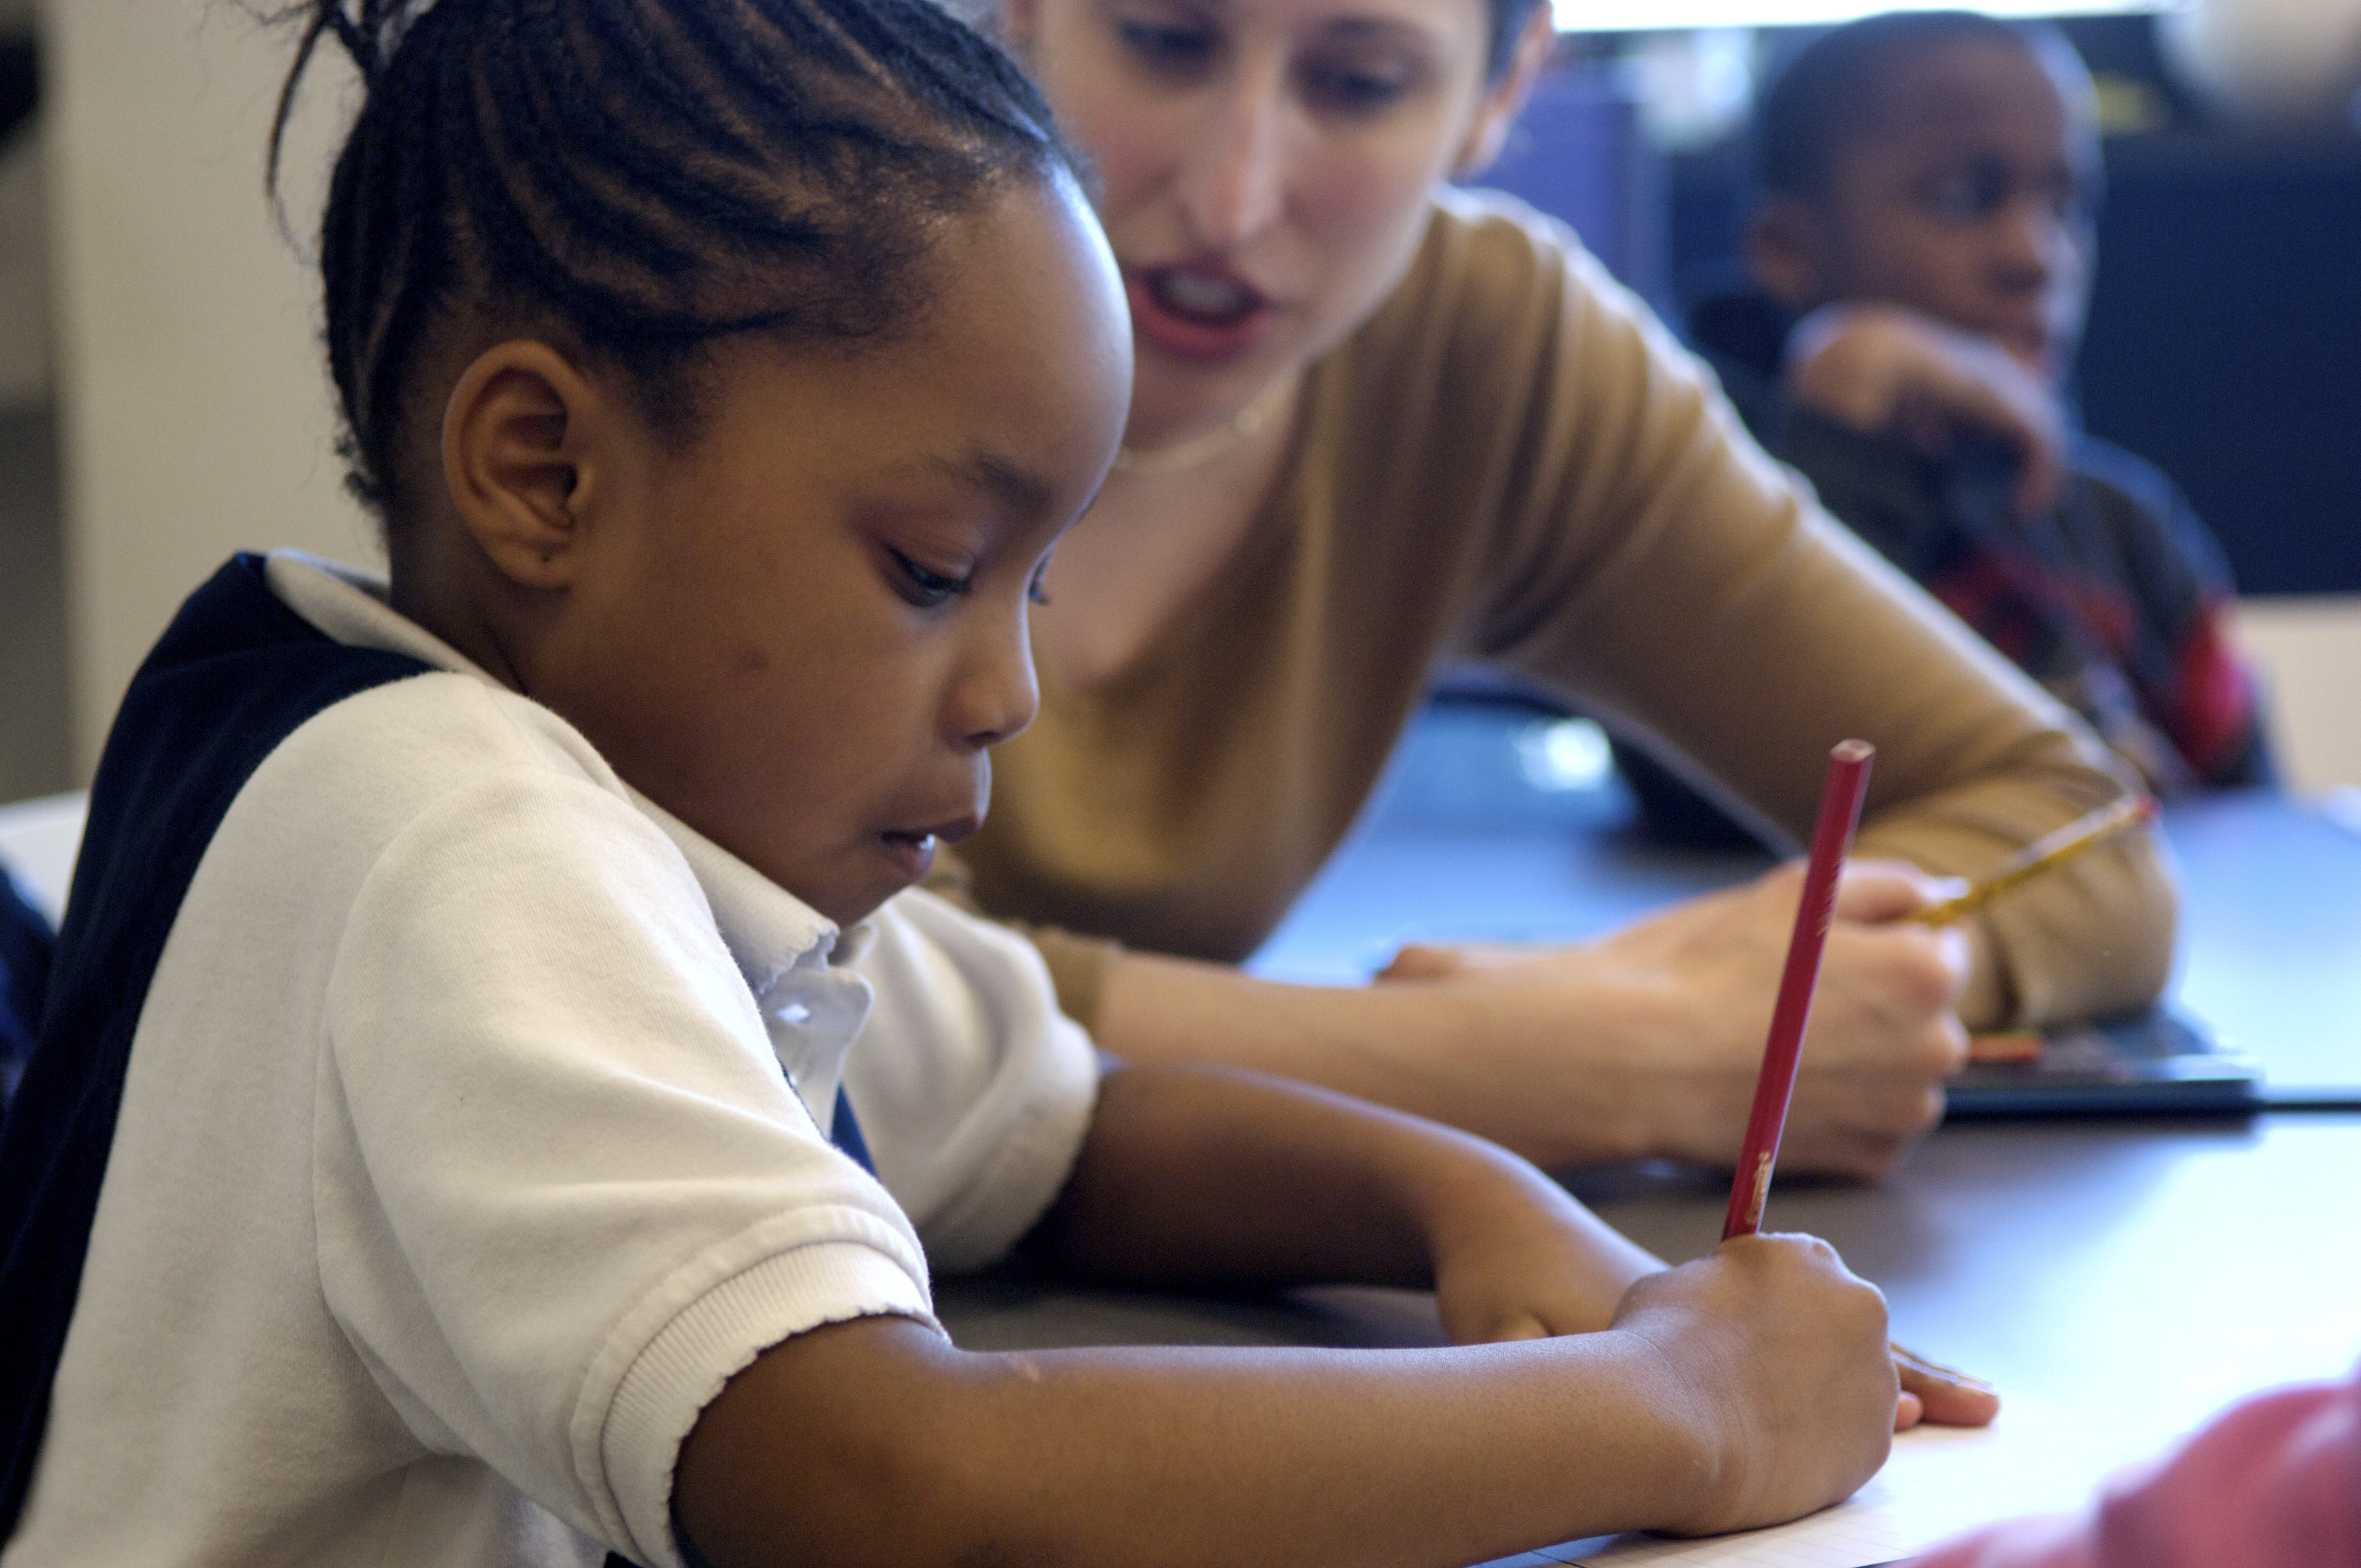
[1232,184]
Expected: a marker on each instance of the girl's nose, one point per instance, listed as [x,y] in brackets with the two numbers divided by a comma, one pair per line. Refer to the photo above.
[996,694]
[1232,185]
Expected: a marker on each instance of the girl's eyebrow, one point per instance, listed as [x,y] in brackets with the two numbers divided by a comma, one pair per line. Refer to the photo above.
[1006,482]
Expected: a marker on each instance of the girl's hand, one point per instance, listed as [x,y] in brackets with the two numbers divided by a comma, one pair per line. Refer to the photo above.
[1516,1256]
[1779,1357]
[1940,1396]
[1884,1030]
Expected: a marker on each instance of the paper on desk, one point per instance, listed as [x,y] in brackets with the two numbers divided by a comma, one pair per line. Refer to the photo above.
[2038,1458]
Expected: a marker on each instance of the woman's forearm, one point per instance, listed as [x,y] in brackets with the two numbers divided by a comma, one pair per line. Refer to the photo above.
[1420,1048]
[1643,1043]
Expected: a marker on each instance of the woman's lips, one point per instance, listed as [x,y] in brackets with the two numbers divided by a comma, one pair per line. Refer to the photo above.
[1197,313]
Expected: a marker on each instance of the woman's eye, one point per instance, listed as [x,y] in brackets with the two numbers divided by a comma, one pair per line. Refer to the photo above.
[923,587]
[1354,90]
[1165,46]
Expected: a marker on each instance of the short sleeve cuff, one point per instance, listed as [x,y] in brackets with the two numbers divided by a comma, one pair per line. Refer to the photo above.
[1031,1164]
[683,1369]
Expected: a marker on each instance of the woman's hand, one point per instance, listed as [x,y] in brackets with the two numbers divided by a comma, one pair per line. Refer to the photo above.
[1693,988]
[1877,368]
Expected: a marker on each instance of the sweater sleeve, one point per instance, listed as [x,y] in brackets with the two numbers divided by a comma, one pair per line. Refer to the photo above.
[1655,565]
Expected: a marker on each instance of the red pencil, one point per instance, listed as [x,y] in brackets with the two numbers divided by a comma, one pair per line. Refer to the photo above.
[1841,800]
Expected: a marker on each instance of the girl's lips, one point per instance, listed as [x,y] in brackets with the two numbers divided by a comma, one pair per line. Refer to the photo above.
[911,854]
[913,849]
[1197,313]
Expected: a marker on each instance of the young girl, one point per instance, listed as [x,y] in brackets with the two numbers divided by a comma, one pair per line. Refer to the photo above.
[437,1148]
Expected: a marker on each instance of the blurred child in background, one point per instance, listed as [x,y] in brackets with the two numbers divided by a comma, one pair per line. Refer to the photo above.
[1922,257]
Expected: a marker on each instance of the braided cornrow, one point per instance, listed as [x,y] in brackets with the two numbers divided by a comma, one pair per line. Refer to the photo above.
[655,174]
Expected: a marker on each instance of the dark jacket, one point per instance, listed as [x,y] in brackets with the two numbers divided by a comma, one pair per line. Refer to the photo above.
[2115,601]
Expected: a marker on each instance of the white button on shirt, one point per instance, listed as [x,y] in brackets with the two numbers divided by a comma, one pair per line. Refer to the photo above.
[797,964]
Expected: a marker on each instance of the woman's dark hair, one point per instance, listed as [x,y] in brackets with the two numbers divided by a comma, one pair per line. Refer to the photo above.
[1829,94]
[653,174]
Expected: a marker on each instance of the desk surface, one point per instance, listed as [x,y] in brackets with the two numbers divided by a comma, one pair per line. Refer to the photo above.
[2167,1265]
[2165,1268]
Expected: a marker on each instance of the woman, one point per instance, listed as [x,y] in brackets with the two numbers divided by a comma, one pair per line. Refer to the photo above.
[1377,425]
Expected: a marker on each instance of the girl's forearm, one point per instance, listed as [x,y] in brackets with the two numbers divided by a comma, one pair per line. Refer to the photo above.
[876,1443]
[1201,1174]
[1196,1175]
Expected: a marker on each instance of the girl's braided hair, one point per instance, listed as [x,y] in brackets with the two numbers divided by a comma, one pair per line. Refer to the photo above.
[654,174]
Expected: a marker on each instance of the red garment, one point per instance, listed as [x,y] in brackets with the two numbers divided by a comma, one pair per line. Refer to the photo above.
[2273,1483]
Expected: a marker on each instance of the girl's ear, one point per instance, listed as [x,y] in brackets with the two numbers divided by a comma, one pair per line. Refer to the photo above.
[523,459]
[1504,97]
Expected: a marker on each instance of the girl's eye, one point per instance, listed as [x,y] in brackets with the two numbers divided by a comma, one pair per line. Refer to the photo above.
[923,587]
[1169,47]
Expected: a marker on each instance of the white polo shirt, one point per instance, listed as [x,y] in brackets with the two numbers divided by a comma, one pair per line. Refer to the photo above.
[474,1136]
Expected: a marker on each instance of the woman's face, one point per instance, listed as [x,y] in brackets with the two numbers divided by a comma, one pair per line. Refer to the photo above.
[1266,167]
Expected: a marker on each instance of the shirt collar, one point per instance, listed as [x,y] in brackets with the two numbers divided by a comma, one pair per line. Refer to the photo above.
[770,930]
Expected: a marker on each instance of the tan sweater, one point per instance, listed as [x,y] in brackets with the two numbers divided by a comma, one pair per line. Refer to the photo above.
[1512,462]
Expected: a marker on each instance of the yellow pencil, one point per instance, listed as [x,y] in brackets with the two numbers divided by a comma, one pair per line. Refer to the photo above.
[2041,855]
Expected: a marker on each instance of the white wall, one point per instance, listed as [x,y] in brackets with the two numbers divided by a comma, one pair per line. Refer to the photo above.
[2310,654]
[24,273]
[196,412]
